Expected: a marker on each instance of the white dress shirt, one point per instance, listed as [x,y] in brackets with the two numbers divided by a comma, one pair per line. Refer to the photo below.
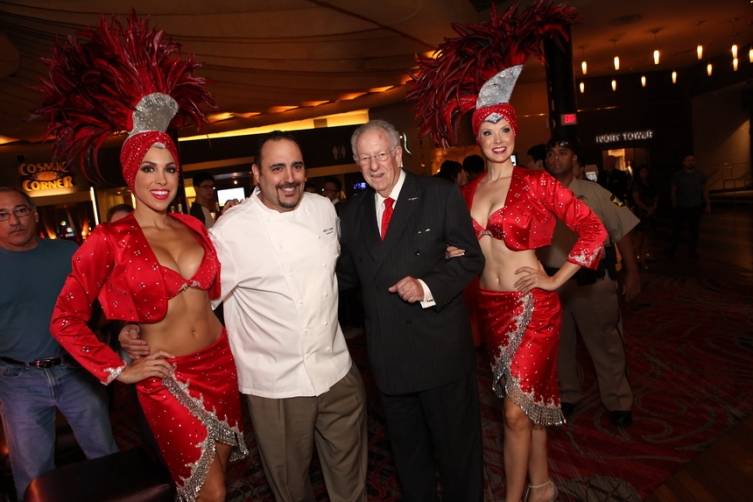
[428,300]
[280,294]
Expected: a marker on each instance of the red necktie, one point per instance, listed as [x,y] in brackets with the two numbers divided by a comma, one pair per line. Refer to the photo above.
[387,215]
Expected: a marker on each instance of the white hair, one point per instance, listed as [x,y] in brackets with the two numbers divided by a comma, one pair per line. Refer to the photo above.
[388,128]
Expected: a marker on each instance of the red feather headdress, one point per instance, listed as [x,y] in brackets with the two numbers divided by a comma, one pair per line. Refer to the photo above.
[100,82]
[446,86]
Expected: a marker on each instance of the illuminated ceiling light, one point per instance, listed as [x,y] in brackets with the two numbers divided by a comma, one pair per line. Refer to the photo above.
[617,63]
[643,80]
[614,85]
[218,117]
[431,54]
[582,87]
[248,115]
[657,56]
[381,89]
[709,69]
[7,139]
[750,55]
[734,64]
[351,95]
[314,103]
[282,108]
[584,66]
[355,117]
[699,51]
[405,79]
[674,77]
[734,51]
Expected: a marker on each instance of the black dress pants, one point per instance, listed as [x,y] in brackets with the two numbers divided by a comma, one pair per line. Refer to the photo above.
[437,430]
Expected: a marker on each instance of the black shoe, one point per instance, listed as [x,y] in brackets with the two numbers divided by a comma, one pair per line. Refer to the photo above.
[567,409]
[621,418]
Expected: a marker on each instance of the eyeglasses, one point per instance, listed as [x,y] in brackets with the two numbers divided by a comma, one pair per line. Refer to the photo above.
[380,157]
[19,211]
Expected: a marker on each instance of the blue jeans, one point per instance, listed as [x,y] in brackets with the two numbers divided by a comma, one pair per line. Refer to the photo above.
[28,398]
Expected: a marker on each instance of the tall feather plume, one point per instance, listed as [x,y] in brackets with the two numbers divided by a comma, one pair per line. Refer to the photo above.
[445,87]
[96,78]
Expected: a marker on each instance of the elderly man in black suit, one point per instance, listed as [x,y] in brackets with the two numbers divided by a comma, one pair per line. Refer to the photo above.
[394,236]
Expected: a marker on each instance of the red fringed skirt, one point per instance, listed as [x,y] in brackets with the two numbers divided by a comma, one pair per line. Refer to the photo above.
[198,406]
[521,333]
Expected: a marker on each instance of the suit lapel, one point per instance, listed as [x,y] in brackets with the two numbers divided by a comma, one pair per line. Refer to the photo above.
[369,231]
[407,204]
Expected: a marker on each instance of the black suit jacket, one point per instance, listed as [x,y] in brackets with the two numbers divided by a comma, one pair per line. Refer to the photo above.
[197,213]
[411,348]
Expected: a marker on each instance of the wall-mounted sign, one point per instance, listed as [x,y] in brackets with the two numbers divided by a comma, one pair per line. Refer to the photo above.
[44,177]
[618,137]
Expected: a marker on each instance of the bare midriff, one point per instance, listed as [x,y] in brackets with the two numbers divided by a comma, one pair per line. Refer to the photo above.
[189,326]
[502,262]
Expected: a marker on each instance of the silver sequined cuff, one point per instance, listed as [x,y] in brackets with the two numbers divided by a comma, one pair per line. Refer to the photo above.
[113,373]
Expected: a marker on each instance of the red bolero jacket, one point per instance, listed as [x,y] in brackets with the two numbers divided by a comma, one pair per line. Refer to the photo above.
[534,202]
[116,266]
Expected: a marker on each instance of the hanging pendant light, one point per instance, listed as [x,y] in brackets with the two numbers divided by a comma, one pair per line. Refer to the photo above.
[583,67]
[656,53]
[699,47]
[733,49]
[582,87]
[709,69]
[614,85]
[616,59]
[750,55]
[674,77]
[643,80]
[734,64]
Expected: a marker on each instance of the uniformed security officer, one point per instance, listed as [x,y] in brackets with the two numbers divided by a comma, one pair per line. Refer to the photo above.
[590,299]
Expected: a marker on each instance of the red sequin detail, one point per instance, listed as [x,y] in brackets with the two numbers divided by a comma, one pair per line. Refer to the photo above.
[504,109]
[135,147]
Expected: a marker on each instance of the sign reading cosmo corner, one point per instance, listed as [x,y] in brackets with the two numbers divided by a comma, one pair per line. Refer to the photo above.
[45,176]
[618,137]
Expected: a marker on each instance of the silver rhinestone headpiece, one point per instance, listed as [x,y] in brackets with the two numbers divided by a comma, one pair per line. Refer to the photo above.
[498,89]
[153,113]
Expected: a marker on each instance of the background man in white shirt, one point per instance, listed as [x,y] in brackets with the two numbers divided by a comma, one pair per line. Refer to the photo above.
[278,251]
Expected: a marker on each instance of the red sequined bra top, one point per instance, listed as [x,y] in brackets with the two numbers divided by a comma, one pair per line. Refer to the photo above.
[175,283]
[534,202]
[117,266]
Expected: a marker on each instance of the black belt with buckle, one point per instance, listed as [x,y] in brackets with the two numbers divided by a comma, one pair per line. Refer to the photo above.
[48,362]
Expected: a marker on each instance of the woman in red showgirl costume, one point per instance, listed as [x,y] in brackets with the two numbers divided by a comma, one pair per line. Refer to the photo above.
[513,211]
[152,267]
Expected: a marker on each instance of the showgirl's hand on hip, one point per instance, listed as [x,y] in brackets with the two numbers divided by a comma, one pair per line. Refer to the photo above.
[530,278]
[155,365]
